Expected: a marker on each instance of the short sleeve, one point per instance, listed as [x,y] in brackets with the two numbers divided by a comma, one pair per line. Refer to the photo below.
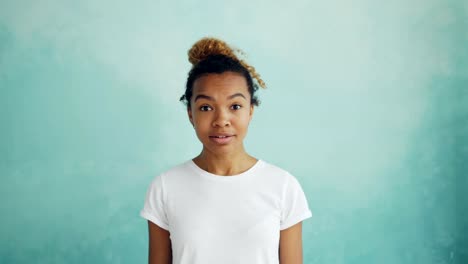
[154,206]
[294,204]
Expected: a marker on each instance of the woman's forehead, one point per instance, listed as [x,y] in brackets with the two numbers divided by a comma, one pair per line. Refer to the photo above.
[220,79]
[220,85]
[221,90]
[219,97]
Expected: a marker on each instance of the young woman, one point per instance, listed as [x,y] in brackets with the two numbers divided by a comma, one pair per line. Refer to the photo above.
[223,206]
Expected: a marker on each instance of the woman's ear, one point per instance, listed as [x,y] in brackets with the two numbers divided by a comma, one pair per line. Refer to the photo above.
[251,111]
[189,113]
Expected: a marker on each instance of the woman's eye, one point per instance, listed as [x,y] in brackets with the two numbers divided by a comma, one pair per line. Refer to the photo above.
[204,108]
[237,107]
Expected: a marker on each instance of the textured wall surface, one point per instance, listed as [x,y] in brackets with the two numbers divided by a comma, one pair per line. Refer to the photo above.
[367,105]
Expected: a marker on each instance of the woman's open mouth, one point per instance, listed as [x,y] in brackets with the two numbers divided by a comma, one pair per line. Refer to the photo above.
[221,139]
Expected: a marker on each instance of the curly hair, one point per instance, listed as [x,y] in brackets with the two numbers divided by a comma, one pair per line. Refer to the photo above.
[212,55]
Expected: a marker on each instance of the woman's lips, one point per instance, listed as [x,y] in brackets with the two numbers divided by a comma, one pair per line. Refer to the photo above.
[222,140]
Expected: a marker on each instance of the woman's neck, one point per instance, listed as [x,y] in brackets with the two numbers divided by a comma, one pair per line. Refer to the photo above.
[224,165]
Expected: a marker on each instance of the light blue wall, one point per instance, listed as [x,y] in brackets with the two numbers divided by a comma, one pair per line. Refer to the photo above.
[367,105]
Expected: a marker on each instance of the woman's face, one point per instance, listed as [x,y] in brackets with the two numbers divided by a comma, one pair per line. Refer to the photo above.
[221,111]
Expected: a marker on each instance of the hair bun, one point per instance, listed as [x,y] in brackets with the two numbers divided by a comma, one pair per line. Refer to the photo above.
[209,46]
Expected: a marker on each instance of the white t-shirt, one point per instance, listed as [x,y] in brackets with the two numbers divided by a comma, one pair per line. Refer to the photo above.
[216,219]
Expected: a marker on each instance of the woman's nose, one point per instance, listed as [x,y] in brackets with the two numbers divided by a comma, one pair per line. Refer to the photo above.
[221,119]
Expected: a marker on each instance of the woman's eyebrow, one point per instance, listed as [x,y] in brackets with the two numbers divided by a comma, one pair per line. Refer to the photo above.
[211,98]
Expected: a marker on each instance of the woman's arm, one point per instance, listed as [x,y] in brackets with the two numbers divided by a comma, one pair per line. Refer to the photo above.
[290,249]
[160,250]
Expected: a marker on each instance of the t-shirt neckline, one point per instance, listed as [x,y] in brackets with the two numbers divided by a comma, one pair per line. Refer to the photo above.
[209,175]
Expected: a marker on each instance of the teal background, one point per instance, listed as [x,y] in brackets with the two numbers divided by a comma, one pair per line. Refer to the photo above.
[367,105]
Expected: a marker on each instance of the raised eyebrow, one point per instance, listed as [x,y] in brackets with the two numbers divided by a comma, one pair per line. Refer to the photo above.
[203,96]
[211,98]
[236,95]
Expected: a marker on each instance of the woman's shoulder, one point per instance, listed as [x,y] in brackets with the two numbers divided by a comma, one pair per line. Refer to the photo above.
[169,171]
[273,166]
[273,169]
[178,168]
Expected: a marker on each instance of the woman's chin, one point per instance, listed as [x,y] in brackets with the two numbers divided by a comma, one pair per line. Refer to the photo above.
[221,149]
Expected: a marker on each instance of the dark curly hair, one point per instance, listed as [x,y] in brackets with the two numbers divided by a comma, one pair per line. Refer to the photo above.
[211,55]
